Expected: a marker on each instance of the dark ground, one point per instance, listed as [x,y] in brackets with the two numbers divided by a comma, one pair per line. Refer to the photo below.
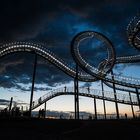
[50,129]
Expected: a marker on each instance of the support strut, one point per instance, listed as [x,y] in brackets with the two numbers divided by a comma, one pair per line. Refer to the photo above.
[45,109]
[10,106]
[131,105]
[103,98]
[95,108]
[138,98]
[76,97]
[33,81]
[115,95]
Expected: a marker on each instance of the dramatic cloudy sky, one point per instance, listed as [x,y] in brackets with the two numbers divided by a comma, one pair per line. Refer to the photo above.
[54,24]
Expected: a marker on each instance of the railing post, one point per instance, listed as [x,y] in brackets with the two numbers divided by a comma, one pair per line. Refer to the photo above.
[115,95]
[103,98]
[131,105]
[33,81]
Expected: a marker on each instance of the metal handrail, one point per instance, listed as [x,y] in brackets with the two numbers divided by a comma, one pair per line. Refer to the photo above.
[108,95]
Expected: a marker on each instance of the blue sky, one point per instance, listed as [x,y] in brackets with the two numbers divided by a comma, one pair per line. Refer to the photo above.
[55,24]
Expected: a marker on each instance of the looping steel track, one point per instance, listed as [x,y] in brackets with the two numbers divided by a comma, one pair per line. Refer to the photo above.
[92,73]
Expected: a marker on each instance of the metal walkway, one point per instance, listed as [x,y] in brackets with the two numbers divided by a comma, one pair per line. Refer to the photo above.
[92,93]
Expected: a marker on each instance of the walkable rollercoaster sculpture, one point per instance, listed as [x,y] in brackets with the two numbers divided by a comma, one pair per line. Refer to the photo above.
[90,74]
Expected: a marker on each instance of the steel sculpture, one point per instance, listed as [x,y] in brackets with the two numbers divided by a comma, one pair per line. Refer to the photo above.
[91,73]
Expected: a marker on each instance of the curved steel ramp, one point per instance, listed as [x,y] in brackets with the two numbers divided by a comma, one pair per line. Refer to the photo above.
[92,93]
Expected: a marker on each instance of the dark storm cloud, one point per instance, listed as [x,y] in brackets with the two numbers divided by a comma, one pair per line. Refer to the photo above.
[5,102]
[54,24]
[45,20]
[25,88]
[21,70]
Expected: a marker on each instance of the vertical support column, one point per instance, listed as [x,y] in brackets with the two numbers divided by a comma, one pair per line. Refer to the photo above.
[138,98]
[76,89]
[33,81]
[45,110]
[103,98]
[95,108]
[115,96]
[75,99]
[10,106]
[131,105]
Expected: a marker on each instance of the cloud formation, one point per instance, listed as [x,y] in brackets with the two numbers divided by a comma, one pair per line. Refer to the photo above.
[54,24]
